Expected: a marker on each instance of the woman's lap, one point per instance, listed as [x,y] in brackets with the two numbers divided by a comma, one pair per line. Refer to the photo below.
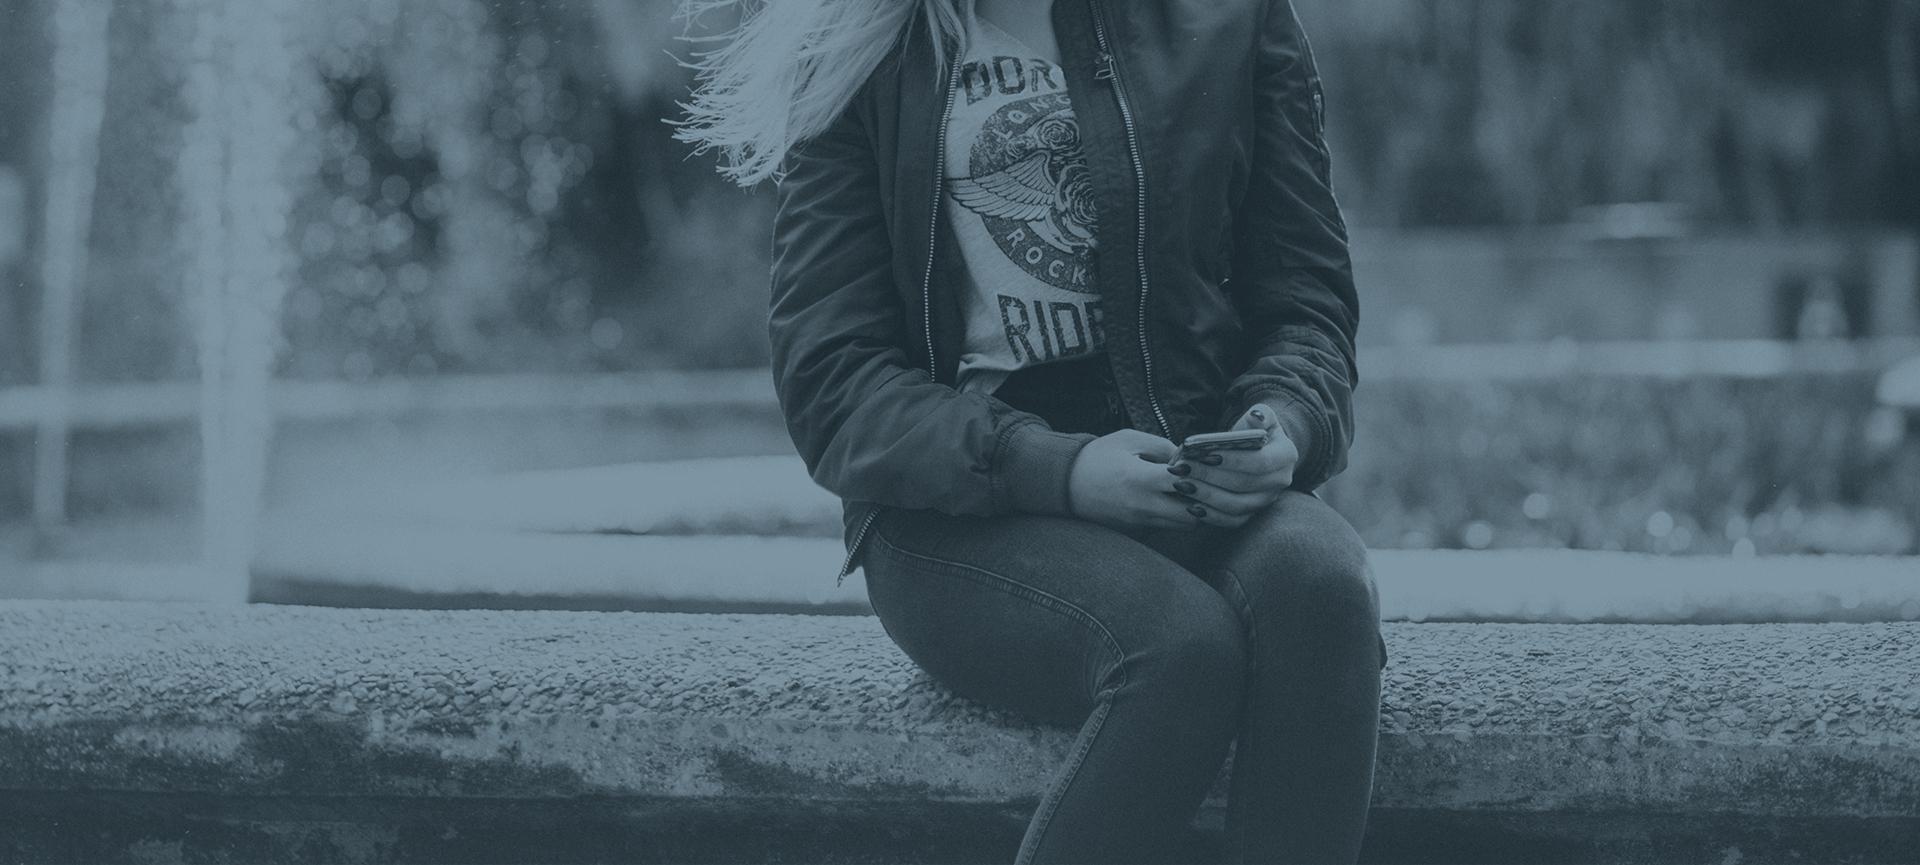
[1163,647]
[1299,558]
[1030,612]
[984,603]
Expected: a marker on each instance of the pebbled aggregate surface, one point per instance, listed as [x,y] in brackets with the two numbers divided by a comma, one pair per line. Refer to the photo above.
[1789,719]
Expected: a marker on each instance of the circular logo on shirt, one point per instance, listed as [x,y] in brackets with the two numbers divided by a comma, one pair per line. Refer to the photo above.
[1028,181]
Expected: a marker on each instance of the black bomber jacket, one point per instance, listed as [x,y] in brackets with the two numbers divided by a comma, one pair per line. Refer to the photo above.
[1222,263]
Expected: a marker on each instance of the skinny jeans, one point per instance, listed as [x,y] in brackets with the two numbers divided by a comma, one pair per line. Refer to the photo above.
[1166,649]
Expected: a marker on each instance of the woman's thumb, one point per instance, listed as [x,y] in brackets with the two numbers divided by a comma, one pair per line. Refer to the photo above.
[1152,448]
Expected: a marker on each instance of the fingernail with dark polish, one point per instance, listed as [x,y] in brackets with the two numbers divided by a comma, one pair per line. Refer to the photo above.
[1211,459]
[1197,511]
[1179,470]
[1185,487]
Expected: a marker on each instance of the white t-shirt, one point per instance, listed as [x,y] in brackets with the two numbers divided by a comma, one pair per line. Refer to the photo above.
[1021,203]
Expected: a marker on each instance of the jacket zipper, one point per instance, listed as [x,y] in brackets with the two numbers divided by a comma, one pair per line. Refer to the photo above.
[926,282]
[1110,74]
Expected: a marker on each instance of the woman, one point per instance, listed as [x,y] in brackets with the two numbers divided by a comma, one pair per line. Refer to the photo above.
[1020,251]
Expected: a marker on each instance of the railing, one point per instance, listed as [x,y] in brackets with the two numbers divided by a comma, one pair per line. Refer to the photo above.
[157,403]
[154,403]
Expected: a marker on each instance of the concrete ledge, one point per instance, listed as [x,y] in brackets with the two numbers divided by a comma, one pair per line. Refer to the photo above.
[755,534]
[1712,727]
[366,564]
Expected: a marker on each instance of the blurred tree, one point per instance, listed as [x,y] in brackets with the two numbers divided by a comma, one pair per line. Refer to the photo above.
[1757,112]
[488,186]
[23,46]
[493,190]
[447,148]
[1903,76]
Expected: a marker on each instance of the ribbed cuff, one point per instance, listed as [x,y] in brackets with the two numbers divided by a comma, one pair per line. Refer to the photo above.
[1300,426]
[1033,466]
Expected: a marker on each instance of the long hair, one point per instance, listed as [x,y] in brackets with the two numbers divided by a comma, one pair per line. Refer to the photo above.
[791,66]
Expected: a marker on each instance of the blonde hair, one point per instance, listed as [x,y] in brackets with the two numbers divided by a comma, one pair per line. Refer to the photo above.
[791,66]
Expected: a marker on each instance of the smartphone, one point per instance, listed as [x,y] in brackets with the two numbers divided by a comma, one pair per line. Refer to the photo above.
[1246,439]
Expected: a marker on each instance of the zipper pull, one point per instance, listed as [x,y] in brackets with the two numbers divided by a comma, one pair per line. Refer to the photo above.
[1103,67]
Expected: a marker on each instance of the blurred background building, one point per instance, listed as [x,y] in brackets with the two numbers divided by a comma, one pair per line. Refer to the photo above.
[1630,271]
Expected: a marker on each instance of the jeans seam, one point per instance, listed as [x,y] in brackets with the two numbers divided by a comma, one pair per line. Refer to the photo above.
[1243,605]
[1373,590]
[1243,745]
[1043,816]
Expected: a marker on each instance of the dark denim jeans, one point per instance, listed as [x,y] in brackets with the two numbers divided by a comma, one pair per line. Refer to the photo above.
[1163,647]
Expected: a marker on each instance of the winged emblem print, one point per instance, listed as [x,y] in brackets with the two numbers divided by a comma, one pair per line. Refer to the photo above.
[1047,187]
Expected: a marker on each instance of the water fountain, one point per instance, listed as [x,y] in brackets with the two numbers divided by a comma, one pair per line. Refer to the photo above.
[234,183]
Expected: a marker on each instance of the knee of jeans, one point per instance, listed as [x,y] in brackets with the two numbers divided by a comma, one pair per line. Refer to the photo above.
[1333,591]
[1313,570]
[1200,649]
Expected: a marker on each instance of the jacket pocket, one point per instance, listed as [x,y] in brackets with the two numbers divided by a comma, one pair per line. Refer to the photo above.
[1317,97]
[1322,153]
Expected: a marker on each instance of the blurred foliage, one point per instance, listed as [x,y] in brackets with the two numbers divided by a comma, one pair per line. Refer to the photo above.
[22,56]
[439,229]
[495,192]
[1799,463]
[479,187]
[489,186]
[1752,112]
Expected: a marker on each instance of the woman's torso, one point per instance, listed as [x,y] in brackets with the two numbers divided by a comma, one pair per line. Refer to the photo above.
[1018,198]
[1168,96]
[1162,95]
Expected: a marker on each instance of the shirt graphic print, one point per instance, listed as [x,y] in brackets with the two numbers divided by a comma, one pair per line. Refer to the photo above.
[1021,203]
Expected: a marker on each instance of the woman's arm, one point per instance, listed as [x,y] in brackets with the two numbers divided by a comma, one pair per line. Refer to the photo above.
[870,424]
[1292,279]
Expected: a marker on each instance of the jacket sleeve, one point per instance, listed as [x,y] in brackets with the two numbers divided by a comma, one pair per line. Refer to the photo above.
[869,423]
[1292,279]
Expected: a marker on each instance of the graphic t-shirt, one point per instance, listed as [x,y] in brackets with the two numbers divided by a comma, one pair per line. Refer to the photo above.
[1021,203]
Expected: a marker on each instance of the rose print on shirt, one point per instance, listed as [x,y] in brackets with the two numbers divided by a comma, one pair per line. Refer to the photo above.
[1029,183]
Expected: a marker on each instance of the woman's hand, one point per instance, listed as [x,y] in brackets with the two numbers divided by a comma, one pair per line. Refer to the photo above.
[1230,486]
[1120,480]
